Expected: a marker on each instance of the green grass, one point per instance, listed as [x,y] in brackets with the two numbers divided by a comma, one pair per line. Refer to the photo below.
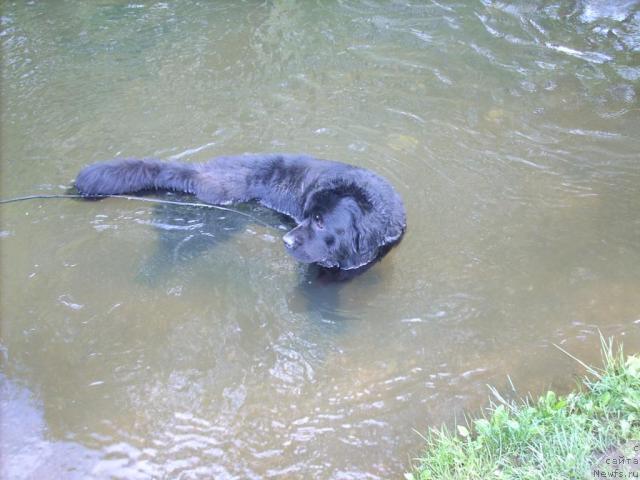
[554,437]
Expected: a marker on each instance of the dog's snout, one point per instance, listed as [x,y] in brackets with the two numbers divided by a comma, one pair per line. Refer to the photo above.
[289,240]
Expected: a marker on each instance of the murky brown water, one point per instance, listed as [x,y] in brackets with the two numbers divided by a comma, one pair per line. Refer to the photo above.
[146,342]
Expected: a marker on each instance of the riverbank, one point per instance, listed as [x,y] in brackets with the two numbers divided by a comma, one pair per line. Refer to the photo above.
[586,434]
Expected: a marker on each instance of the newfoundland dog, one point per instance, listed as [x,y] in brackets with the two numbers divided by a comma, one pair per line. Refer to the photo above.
[346,216]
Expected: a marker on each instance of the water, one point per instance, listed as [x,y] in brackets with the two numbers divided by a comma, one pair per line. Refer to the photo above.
[176,342]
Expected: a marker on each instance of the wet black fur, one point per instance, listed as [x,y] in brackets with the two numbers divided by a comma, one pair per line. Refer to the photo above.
[346,216]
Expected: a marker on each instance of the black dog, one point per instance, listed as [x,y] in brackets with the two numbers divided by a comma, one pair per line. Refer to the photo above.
[347,216]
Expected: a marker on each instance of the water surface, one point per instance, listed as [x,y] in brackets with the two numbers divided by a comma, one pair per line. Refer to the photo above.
[174,342]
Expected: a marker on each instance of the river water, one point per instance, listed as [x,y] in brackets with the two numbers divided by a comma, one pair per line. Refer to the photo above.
[141,341]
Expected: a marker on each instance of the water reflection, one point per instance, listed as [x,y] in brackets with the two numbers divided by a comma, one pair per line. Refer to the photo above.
[25,450]
[186,234]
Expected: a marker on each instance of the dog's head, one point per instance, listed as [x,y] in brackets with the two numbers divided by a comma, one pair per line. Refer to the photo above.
[339,230]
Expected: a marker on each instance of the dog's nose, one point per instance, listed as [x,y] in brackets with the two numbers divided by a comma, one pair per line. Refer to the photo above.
[289,240]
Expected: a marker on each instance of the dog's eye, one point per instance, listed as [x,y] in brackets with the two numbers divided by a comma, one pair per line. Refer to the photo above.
[317,219]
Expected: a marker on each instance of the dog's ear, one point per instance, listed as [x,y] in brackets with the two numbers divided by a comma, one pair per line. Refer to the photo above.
[360,244]
[369,239]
